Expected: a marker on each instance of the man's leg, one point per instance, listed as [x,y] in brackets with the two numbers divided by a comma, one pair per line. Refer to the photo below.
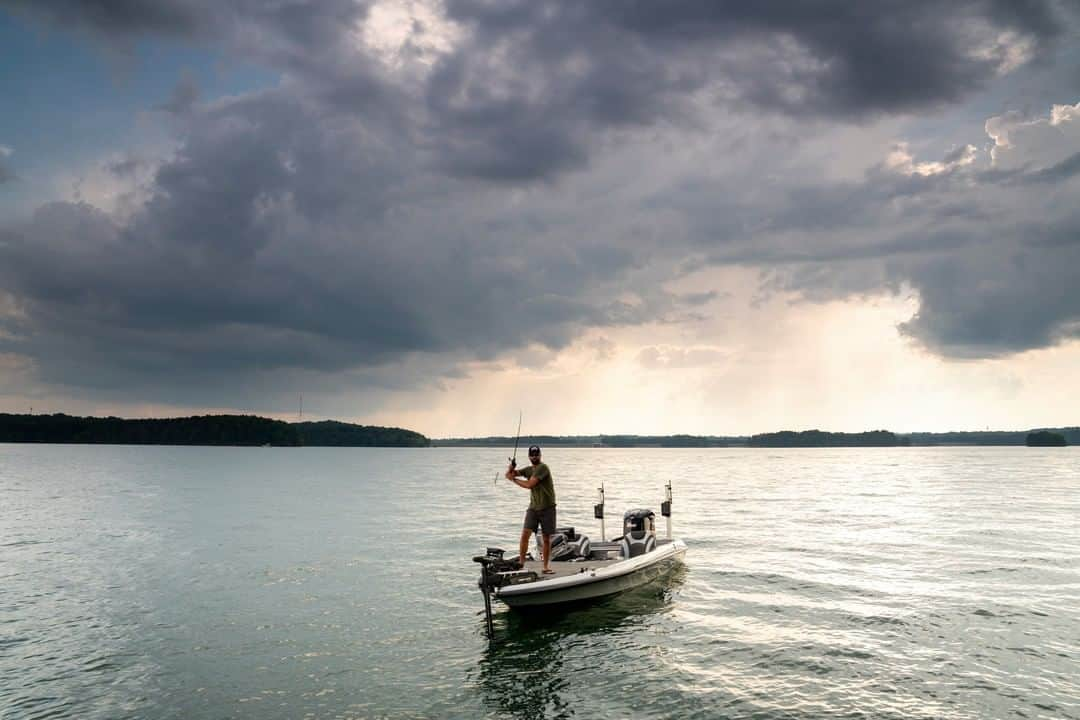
[547,527]
[526,533]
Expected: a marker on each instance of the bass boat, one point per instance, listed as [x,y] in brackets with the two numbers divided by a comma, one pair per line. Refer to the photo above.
[583,570]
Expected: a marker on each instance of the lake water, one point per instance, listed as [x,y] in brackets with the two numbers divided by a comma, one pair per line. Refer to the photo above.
[168,582]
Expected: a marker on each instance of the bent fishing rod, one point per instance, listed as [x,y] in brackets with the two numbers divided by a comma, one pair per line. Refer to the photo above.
[513,459]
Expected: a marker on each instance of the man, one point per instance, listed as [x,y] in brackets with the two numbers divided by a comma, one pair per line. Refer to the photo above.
[541,512]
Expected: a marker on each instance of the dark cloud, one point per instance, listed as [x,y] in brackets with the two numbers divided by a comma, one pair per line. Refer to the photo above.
[125,167]
[6,173]
[522,97]
[980,295]
[999,301]
[117,17]
[183,97]
[1064,170]
[998,277]
[358,216]
[278,237]
[525,92]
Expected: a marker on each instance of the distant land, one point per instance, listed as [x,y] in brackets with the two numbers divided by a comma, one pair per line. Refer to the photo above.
[201,430]
[787,438]
[251,430]
[1044,438]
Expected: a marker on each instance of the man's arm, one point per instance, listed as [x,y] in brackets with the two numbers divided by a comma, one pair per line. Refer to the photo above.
[512,474]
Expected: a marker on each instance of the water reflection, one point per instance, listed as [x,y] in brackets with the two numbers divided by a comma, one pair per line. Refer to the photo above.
[537,655]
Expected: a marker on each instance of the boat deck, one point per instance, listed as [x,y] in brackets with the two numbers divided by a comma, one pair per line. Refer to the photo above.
[565,568]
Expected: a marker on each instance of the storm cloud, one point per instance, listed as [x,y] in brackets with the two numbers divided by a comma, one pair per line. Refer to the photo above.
[279,237]
[532,165]
[6,173]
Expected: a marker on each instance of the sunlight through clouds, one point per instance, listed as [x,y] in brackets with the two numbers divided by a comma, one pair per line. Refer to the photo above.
[673,218]
[403,33]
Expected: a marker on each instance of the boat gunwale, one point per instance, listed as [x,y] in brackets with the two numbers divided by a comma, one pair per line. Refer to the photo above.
[618,568]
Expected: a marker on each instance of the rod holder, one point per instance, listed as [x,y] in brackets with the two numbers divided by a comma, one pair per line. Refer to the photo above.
[665,507]
[598,512]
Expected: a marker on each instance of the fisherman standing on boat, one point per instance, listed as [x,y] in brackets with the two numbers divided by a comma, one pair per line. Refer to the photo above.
[541,512]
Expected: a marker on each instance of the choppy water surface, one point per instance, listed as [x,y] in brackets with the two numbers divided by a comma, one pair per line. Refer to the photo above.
[156,582]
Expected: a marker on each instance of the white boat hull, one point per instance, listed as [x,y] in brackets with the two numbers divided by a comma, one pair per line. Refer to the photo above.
[595,582]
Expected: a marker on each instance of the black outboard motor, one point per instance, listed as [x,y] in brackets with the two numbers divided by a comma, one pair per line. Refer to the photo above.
[639,532]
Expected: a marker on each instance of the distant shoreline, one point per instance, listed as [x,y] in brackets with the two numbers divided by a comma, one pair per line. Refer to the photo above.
[201,430]
[252,430]
[784,439]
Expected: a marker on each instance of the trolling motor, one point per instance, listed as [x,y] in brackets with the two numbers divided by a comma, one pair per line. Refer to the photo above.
[496,572]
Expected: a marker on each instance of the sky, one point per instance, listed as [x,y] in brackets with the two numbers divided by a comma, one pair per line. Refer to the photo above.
[694,216]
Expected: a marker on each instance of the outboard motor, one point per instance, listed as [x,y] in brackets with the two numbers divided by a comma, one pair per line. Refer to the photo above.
[639,532]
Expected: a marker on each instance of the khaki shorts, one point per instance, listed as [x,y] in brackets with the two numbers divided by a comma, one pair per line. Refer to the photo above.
[541,518]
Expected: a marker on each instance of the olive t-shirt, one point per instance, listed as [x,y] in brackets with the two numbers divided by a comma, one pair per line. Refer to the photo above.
[542,494]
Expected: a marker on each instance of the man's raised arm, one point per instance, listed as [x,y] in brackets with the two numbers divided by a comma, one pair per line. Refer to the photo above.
[512,474]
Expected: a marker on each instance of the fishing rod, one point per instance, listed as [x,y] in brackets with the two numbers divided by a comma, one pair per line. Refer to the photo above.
[513,460]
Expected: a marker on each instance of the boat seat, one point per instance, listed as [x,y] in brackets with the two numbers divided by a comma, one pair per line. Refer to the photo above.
[564,547]
[634,544]
[639,533]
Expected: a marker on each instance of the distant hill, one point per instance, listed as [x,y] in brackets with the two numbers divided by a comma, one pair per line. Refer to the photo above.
[595,441]
[990,437]
[1045,439]
[787,438]
[818,438]
[200,430]
[812,438]
[196,430]
[330,433]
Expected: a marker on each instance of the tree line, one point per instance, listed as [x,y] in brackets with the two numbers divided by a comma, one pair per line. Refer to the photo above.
[254,430]
[243,430]
[786,438]
[819,438]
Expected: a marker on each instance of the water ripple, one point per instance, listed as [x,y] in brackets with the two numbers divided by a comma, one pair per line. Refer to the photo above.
[324,583]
